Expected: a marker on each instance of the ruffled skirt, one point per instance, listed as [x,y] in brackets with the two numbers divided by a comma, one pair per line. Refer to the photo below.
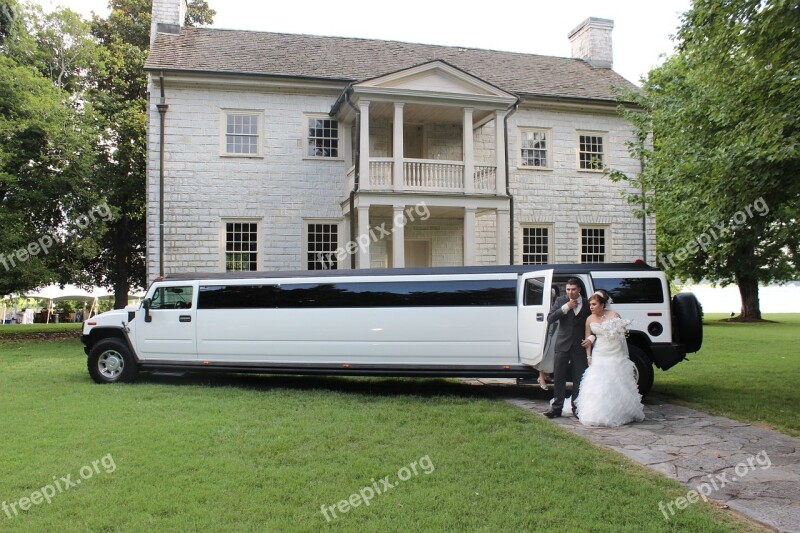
[609,395]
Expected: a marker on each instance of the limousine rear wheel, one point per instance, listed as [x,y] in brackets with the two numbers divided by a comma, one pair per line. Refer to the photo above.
[111,361]
[644,369]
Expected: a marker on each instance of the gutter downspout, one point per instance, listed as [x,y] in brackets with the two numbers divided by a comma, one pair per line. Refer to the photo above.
[356,172]
[508,184]
[162,111]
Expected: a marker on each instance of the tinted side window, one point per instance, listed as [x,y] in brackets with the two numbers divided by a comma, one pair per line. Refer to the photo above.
[534,291]
[377,294]
[632,290]
[172,298]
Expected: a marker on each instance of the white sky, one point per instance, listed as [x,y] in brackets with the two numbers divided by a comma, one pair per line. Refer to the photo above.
[642,28]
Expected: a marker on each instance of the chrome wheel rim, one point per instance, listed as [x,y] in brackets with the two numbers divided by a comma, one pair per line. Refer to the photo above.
[111,364]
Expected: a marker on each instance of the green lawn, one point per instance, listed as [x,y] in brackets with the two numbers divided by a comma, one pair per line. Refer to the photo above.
[266,453]
[744,371]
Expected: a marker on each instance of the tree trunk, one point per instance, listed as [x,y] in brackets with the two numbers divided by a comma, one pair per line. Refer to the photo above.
[121,290]
[748,290]
[121,278]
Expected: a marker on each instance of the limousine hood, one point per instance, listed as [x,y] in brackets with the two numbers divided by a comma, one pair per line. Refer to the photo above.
[115,317]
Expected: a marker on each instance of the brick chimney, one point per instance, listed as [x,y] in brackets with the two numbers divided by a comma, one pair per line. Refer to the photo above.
[591,42]
[168,17]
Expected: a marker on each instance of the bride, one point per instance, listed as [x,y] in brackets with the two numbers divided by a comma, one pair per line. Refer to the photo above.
[609,395]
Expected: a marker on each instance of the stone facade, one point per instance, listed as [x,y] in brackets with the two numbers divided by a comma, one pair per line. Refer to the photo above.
[204,188]
[281,190]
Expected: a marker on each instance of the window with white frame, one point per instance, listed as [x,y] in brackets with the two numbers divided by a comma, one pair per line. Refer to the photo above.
[591,155]
[535,245]
[242,132]
[241,246]
[534,148]
[322,137]
[594,244]
[322,242]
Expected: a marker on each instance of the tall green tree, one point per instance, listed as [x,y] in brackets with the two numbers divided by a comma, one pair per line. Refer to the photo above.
[120,98]
[46,152]
[722,170]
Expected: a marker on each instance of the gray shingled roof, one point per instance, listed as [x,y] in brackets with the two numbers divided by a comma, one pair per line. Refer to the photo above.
[351,60]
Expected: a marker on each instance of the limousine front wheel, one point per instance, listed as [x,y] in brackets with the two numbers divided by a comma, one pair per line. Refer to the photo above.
[111,361]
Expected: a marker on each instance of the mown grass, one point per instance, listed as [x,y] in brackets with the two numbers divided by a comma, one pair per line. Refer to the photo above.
[746,371]
[265,453]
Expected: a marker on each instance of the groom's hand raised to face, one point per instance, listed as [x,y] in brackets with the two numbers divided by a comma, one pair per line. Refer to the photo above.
[572,304]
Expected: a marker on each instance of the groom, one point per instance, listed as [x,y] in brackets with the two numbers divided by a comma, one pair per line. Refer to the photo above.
[570,311]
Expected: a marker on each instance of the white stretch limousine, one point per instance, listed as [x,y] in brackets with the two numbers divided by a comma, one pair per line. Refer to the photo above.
[452,321]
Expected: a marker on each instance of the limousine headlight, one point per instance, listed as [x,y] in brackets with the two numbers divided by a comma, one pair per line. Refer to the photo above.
[655,329]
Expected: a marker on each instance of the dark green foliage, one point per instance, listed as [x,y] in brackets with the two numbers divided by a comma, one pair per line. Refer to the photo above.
[722,173]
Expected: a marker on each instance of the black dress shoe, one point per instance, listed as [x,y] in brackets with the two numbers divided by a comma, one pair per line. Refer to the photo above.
[552,414]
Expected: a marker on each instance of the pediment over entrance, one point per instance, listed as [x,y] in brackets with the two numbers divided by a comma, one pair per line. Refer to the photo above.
[435,77]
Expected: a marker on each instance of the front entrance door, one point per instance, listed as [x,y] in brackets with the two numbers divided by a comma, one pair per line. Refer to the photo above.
[418,254]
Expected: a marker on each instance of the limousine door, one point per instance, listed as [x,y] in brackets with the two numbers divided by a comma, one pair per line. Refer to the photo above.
[170,331]
[533,305]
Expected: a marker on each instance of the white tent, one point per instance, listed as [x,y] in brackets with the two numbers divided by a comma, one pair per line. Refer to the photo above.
[53,293]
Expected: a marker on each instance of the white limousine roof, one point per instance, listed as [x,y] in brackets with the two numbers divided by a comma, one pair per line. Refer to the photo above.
[584,268]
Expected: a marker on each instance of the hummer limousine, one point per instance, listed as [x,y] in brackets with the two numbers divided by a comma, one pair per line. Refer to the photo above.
[482,321]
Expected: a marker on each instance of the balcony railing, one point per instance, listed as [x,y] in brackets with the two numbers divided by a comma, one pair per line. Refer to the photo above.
[433,175]
[428,175]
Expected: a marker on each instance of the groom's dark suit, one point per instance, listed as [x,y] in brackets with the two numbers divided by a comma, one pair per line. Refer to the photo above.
[571,329]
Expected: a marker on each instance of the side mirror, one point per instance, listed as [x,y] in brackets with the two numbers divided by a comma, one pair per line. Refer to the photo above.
[146,305]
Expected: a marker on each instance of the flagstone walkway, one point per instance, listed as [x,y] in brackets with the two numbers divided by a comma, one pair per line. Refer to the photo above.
[752,470]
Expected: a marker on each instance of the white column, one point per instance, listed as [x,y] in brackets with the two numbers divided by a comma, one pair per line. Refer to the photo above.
[469,153]
[500,150]
[363,160]
[398,237]
[397,147]
[345,238]
[469,236]
[362,237]
[503,221]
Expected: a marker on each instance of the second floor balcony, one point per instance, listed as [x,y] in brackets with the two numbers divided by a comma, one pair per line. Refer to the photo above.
[431,128]
[427,175]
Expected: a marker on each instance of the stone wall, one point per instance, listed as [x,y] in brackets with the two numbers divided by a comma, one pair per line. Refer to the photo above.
[282,189]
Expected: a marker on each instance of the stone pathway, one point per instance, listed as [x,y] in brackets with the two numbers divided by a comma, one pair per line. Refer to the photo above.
[752,470]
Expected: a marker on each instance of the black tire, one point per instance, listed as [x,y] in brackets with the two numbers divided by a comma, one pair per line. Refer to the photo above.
[688,315]
[644,368]
[111,361]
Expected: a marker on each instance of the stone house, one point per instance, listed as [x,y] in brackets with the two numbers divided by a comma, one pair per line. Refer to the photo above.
[271,151]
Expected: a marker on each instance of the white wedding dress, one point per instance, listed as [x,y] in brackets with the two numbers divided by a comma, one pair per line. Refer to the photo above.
[609,395]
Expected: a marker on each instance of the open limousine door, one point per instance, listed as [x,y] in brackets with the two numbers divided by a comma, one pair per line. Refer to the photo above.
[533,305]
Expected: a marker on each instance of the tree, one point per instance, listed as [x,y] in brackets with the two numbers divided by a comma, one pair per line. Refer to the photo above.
[46,153]
[722,172]
[8,9]
[58,44]
[120,98]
